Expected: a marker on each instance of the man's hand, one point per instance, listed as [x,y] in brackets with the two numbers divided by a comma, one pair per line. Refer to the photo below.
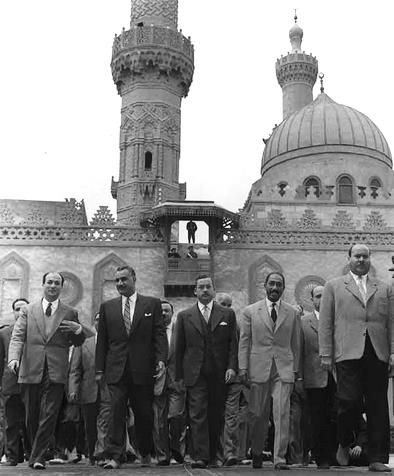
[299,387]
[355,452]
[326,363]
[160,369]
[229,376]
[70,326]
[99,376]
[179,386]
[391,362]
[13,365]
[72,397]
[243,376]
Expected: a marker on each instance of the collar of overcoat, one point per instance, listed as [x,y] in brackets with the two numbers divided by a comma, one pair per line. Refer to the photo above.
[351,286]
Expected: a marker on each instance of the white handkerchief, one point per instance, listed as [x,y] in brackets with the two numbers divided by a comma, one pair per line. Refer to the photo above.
[223,324]
[148,314]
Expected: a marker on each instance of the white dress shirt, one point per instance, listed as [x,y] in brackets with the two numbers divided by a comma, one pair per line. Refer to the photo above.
[269,305]
[132,300]
[55,305]
[360,279]
[202,307]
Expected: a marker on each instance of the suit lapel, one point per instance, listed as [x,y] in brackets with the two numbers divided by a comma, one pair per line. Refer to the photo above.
[216,316]
[138,312]
[38,316]
[372,286]
[266,318]
[314,323]
[195,319]
[282,314]
[56,319]
[352,287]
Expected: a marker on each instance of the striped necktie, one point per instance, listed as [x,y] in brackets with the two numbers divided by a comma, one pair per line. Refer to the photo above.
[126,316]
[360,285]
[48,310]
[205,314]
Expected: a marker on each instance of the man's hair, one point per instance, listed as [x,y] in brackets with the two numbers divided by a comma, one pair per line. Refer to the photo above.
[53,272]
[166,302]
[355,244]
[17,300]
[129,269]
[275,272]
[203,276]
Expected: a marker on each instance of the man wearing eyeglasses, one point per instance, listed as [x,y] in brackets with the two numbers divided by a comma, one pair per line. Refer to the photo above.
[38,354]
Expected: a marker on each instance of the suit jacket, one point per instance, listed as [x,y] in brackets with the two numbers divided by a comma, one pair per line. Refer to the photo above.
[190,342]
[34,342]
[261,342]
[141,350]
[9,381]
[313,373]
[82,377]
[345,319]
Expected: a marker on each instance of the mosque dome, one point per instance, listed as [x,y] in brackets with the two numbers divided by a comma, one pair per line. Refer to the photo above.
[322,127]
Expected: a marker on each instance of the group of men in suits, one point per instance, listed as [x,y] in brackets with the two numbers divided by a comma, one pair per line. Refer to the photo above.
[177,373]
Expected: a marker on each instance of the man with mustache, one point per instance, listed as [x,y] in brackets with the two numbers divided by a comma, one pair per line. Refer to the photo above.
[269,353]
[206,360]
[356,333]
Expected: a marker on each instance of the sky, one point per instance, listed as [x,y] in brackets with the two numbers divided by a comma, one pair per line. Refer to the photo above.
[60,112]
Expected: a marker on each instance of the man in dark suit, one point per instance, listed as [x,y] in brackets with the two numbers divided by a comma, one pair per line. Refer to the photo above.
[320,388]
[39,351]
[16,436]
[131,351]
[206,360]
[356,332]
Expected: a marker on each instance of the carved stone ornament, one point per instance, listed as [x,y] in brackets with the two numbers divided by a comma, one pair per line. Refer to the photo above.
[35,218]
[375,222]
[275,220]
[309,220]
[6,216]
[167,9]
[258,271]
[73,213]
[72,288]
[342,220]
[303,290]
[103,217]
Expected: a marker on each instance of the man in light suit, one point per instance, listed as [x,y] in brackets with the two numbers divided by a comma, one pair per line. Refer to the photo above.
[206,360]
[38,351]
[269,352]
[320,388]
[131,351]
[16,436]
[356,332]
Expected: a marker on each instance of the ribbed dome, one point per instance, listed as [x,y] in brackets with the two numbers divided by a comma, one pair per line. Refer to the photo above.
[325,125]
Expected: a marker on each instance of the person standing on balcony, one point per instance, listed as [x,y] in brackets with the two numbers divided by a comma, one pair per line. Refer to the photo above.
[191,228]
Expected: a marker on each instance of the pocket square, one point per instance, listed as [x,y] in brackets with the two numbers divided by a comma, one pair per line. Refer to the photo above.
[223,324]
[148,314]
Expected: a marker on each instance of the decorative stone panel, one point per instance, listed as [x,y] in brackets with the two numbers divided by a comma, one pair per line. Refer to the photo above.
[103,217]
[72,288]
[35,218]
[6,216]
[275,220]
[375,222]
[258,271]
[303,290]
[167,9]
[309,220]
[14,281]
[104,279]
[343,220]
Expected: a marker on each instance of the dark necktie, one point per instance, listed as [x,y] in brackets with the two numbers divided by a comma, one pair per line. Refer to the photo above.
[126,316]
[48,310]
[274,315]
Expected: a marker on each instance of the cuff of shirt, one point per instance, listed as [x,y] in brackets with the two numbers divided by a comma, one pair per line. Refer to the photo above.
[78,331]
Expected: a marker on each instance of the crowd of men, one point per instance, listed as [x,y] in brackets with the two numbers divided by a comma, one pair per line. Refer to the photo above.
[203,387]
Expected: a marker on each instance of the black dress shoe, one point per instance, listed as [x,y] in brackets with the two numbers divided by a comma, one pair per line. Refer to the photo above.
[8,463]
[379,468]
[323,465]
[177,457]
[230,461]
[215,463]
[257,461]
[198,464]
[281,466]
[163,462]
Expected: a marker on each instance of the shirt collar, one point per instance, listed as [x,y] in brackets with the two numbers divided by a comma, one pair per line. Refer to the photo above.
[132,298]
[356,277]
[209,306]
[269,304]
[317,314]
[54,304]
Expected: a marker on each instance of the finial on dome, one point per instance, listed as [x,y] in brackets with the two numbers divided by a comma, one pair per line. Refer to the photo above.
[321,77]
[295,34]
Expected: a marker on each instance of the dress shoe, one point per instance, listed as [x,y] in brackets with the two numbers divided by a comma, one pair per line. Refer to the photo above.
[198,464]
[57,461]
[257,461]
[77,459]
[215,463]
[111,464]
[230,461]
[379,468]
[323,465]
[8,463]
[177,457]
[163,462]
[343,455]
[145,461]
[38,465]
[281,466]
[102,462]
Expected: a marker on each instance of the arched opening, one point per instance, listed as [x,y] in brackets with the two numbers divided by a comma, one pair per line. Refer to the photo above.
[148,160]
[375,184]
[345,190]
[312,186]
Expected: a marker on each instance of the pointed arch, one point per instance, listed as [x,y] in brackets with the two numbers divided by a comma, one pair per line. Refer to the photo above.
[258,271]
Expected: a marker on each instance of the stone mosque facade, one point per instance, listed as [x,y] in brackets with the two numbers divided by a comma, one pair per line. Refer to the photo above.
[326,181]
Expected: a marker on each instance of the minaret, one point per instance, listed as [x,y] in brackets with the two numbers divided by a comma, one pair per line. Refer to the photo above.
[296,74]
[152,67]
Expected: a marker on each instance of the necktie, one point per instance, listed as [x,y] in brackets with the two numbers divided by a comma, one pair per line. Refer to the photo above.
[274,315]
[205,314]
[48,310]
[126,316]
[361,288]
